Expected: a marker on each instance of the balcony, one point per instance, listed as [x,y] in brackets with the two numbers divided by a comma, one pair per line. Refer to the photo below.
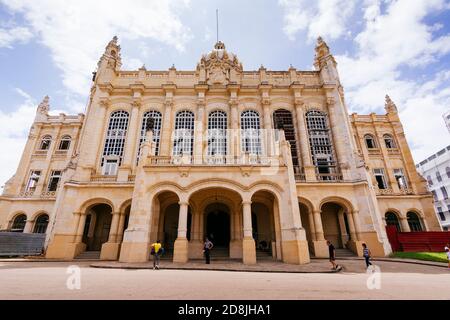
[329,177]
[393,152]
[220,160]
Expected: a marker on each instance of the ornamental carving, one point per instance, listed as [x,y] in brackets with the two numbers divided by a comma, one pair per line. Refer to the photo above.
[44,106]
[219,64]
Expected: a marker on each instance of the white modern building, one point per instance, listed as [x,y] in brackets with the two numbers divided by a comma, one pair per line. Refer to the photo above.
[446,117]
[436,170]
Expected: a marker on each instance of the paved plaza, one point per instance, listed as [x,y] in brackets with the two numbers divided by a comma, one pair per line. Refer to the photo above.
[48,280]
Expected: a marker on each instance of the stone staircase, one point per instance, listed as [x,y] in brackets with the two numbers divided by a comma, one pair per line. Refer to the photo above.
[344,253]
[88,255]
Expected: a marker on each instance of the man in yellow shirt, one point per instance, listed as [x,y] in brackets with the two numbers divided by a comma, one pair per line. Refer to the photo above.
[156,251]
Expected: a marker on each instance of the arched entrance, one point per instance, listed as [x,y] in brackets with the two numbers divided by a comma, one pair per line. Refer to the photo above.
[218,225]
[414,221]
[392,220]
[263,225]
[335,224]
[308,224]
[166,217]
[97,226]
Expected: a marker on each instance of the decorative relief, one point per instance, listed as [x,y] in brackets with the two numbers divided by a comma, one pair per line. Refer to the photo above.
[44,106]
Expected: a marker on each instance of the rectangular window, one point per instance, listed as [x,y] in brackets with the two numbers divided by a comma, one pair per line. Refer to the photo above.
[33,180]
[441,214]
[444,193]
[379,176]
[110,167]
[54,180]
[400,177]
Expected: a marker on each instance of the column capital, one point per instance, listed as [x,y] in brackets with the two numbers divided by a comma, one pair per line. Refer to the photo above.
[116,213]
[78,213]
[183,203]
[266,101]
[233,102]
[137,103]
[356,211]
[299,102]
[317,211]
[168,103]
[105,103]
[246,202]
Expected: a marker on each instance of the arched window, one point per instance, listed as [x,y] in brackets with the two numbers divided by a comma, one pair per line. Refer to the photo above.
[64,144]
[115,141]
[392,220]
[321,145]
[156,116]
[41,224]
[282,119]
[389,141]
[414,221]
[19,223]
[250,126]
[45,143]
[183,143]
[370,141]
[217,133]
[447,171]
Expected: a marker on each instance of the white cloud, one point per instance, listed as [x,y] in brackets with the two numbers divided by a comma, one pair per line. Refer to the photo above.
[327,18]
[76,32]
[14,128]
[12,35]
[390,42]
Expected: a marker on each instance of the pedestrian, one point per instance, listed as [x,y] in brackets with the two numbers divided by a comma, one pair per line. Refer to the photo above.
[156,252]
[332,254]
[208,245]
[367,255]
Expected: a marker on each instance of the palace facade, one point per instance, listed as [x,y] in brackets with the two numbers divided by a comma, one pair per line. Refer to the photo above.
[268,164]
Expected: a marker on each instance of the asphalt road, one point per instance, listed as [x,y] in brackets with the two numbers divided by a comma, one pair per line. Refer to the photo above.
[56,280]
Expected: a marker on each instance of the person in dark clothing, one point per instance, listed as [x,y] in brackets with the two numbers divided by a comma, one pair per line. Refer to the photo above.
[332,254]
[366,255]
[207,246]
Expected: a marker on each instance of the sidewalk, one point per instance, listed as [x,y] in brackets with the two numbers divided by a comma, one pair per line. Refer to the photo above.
[316,266]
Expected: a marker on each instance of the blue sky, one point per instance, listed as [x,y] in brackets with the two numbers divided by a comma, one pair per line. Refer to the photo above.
[397,47]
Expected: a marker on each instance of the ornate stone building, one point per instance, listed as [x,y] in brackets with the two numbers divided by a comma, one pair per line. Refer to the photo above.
[263,162]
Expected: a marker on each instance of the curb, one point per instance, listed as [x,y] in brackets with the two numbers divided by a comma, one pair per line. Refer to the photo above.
[410,261]
[206,269]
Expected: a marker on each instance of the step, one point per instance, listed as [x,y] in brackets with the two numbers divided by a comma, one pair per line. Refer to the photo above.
[88,255]
[344,253]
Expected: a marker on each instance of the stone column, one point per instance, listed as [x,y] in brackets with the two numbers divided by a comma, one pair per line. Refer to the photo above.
[248,243]
[356,221]
[110,249]
[166,133]
[338,140]
[199,130]
[268,138]
[80,227]
[235,150]
[319,244]
[28,226]
[312,227]
[404,224]
[351,226]
[114,226]
[180,251]
[318,225]
[120,228]
[303,141]
[130,143]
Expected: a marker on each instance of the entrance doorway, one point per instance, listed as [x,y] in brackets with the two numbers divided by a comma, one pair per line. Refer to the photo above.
[97,227]
[218,224]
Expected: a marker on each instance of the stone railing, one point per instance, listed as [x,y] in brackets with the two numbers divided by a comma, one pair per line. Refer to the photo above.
[40,152]
[32,194]
[374,151]
[390,191]
[393,151]
[131,178]
[329,177]
[214,160]
[103,178]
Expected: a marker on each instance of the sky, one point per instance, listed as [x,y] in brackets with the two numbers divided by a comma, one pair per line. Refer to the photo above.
[400,48]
